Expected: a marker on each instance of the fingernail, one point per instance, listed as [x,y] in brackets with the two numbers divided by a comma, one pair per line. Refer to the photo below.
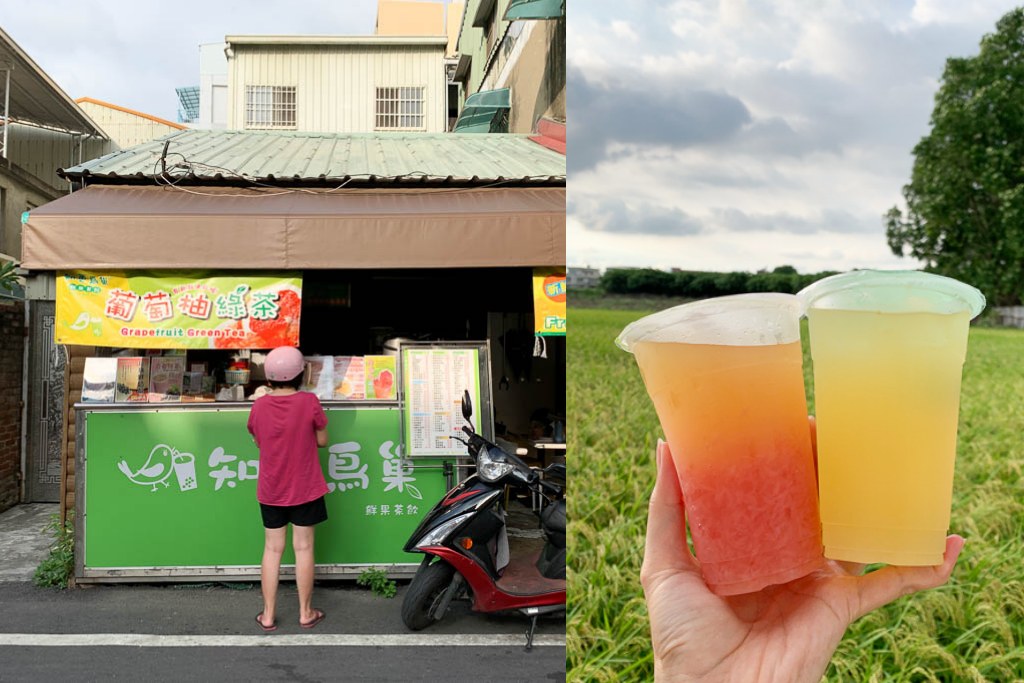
[659,452]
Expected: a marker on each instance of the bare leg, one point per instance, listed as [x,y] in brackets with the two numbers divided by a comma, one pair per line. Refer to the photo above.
[270,571]
[302,543]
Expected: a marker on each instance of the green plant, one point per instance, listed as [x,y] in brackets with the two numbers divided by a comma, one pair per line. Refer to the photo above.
[378,581]
[57,569]
[970,630]
[8,275]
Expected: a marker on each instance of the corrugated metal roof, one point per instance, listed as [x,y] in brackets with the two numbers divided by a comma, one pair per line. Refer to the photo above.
[275,157]
[36,98]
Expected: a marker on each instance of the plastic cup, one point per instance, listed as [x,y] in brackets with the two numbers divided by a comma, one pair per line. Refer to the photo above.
[888,349]
[726,380]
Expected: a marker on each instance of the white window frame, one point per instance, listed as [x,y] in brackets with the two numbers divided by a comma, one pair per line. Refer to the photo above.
[400,107]
[270,107]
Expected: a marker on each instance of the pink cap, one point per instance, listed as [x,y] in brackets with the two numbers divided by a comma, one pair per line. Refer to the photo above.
[284,363]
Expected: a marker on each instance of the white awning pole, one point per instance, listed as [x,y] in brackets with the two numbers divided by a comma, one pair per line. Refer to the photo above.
[7,102]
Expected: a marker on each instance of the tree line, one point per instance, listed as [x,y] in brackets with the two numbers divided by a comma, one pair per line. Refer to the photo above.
[698,284]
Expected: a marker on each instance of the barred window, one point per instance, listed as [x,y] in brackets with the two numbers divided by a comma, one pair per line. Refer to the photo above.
[399,108]
[269,106]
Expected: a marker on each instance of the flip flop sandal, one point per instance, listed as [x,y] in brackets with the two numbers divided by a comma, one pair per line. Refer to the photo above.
[267,629]
[320,615]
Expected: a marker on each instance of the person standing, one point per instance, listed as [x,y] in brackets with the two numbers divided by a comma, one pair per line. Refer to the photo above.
[288,426]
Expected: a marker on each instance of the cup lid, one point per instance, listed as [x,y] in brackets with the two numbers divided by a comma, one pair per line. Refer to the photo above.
[892,291]
[740,320]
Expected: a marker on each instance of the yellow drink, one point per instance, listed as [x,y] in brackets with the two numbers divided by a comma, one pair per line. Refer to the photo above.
[887,392]
[736,420]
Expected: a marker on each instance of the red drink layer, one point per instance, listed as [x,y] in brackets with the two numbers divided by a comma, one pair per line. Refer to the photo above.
[736,420]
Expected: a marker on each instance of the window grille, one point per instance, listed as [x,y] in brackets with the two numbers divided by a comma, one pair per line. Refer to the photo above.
[399,108]
[269,106]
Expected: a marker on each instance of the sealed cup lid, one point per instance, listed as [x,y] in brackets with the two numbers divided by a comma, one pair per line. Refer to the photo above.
[741,320]
[892,291]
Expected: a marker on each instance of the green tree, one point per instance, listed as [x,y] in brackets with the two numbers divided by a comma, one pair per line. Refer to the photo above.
[616,281]
[965,200]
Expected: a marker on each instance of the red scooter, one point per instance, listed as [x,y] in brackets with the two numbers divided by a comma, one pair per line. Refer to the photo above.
[467,547]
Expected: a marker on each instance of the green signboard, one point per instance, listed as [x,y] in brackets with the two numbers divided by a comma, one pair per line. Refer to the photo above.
[177,488]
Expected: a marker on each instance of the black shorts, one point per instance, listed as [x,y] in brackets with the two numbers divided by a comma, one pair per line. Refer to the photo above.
[307,514]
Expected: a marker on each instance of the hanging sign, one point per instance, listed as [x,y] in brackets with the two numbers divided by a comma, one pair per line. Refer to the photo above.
[549,302]
[178,310]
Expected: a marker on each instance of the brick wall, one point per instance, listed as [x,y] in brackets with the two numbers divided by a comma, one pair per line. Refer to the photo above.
[12,345]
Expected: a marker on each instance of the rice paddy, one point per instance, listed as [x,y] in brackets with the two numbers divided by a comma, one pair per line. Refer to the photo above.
[972,629]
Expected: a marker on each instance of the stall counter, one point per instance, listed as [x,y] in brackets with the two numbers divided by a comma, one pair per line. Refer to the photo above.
[169,492]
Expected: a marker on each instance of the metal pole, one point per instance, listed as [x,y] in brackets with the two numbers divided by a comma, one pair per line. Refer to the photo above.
[7,102]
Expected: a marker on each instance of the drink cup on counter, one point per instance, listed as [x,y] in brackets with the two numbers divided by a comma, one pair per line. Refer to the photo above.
[725,376]
[888,349]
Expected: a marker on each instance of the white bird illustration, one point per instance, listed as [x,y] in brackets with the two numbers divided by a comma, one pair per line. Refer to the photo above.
[156,470]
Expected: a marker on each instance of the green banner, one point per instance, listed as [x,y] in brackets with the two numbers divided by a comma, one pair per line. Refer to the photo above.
[177,488]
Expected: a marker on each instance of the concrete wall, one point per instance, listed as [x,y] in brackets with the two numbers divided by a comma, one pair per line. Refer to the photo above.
[527,56]
[19,192]
[409,18]
[126,127]
[213,87]
[335,84]
[531,62]
[12,347]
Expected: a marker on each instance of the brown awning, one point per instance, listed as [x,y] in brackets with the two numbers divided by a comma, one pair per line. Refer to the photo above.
[129,227]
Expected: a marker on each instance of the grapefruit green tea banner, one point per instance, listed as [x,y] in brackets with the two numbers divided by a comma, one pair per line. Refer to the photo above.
[177,488]
[178,309]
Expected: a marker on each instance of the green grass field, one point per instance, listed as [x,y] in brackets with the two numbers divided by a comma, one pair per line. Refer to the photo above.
[972,629]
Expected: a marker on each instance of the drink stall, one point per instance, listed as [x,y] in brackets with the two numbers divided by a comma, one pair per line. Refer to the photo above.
[172,293]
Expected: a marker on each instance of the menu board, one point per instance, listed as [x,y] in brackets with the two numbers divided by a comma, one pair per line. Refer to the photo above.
[319,377]
[349,378]
[166,378]
[434,380]
[98,381]
[380,377]
[132,379]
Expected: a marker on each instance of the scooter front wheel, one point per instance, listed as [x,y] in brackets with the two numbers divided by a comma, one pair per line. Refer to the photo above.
[424,594]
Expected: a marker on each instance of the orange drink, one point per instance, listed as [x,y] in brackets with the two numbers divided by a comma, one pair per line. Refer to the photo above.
[726,381]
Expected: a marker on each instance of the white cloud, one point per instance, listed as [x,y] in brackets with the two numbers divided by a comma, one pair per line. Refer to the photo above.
[623,30]
[836,95]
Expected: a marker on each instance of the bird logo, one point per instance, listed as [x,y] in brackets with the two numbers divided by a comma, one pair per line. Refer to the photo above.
[163,461]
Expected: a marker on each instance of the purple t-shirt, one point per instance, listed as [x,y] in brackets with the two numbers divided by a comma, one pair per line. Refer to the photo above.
[285,431]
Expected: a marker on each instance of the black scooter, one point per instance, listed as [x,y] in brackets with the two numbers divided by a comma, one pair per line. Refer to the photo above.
[467,546]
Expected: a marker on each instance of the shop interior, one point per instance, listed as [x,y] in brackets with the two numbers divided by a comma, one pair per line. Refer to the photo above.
[365,312]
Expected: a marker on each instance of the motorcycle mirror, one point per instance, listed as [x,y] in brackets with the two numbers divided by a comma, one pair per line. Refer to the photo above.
[467,405]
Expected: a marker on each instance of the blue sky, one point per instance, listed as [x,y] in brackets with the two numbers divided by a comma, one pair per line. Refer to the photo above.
[744,134]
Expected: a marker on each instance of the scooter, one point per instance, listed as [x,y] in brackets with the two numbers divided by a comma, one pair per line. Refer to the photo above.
[467,548]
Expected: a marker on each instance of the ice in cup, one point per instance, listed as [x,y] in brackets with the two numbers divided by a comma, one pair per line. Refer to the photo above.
[888,349]
[726,379]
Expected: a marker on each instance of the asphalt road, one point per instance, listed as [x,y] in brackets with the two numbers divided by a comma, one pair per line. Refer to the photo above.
[198,632]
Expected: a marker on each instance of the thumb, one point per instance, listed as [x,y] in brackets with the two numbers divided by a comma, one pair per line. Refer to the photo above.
[889,583]
[666,550]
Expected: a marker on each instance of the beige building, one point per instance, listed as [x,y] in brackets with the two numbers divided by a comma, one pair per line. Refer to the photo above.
[126,127]
[343,84]
[521,53]
[420,18]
